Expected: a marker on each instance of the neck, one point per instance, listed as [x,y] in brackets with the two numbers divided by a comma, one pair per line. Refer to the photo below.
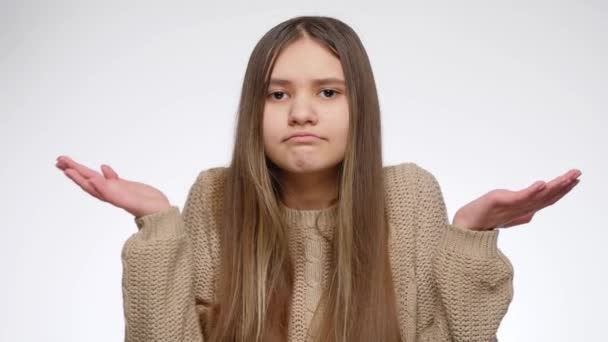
[310,190]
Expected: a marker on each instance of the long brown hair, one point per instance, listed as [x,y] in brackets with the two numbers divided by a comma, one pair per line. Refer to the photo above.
[257,274]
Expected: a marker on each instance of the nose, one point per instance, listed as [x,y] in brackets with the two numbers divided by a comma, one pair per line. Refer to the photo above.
[302,111]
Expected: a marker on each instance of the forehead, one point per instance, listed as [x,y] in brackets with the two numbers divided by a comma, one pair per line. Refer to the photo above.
[306,61]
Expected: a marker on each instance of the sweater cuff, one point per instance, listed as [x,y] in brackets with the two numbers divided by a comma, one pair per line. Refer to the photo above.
[479,244]
[164,224]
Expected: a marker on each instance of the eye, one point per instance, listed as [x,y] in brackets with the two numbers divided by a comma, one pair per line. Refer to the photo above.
[328,93]
[276,92]
[331,91]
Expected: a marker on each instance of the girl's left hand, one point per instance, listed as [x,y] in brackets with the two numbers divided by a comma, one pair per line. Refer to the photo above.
[503,208]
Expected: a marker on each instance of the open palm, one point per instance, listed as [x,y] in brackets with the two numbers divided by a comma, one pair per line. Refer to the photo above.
[136,198]
[503,208]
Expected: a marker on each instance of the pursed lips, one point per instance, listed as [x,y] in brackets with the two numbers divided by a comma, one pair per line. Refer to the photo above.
[303,137]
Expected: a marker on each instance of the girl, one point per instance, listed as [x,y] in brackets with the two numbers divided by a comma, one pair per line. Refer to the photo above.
[306,236]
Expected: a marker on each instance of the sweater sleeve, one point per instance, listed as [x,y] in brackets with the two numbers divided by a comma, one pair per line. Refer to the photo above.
[467,279]
[157,284]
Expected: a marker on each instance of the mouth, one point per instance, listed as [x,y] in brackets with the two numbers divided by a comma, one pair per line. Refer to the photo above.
[303,138]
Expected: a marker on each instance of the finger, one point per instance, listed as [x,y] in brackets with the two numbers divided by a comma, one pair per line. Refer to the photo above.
[95,184]
[528,217]
[566,177]
[83,170]
[573,173]
[83,183]
[550,196]
[539,194]
[562,193]
[558,181]
[520,220]
[108,172]
[553,188]
[534,188]
[528,195]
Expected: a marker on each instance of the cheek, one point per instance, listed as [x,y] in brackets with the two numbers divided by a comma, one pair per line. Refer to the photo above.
[270,132]
[341,126]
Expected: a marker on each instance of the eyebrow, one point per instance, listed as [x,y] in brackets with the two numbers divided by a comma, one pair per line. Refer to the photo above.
[316,81]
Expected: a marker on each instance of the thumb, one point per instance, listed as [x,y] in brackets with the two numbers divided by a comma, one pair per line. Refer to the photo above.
[108,172]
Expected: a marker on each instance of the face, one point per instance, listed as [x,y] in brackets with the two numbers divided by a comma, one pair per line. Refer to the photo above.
[307,94]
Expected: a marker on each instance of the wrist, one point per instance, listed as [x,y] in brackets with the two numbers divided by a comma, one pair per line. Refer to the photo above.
[462,223]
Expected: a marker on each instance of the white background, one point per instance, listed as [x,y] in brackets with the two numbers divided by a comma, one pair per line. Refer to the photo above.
[483,94]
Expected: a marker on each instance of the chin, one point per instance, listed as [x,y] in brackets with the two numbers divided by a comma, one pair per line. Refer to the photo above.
[308,166]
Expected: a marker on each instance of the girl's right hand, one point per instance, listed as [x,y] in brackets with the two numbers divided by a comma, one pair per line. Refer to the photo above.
[136,198]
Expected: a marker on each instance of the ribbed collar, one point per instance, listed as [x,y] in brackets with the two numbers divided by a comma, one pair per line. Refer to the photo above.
[325,218]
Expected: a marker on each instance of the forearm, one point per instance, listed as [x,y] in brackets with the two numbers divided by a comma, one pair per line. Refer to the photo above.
[157,281]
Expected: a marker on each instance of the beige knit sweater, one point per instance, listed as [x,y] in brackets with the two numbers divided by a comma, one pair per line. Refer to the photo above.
[451,284]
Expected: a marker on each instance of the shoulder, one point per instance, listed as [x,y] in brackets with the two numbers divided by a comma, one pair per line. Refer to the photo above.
[202,212]
[210,180]
[206,192]
[401,190]
[409,176]
[210,176]
[411,193]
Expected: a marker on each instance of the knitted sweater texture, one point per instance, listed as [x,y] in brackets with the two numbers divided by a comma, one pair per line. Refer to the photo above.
[451,283]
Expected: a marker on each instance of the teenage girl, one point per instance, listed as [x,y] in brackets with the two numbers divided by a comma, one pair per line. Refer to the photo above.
[306,236]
